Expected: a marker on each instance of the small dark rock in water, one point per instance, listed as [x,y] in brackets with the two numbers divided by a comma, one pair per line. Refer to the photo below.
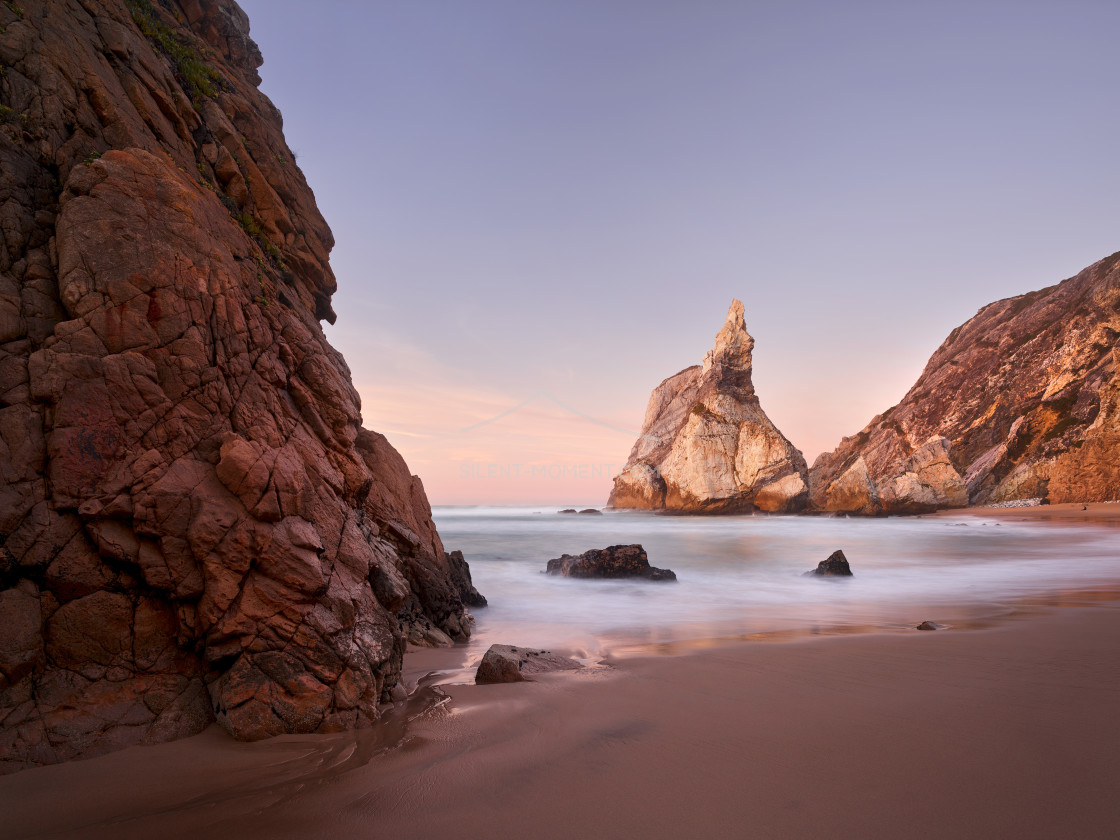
[505,663]
[616,561]
[930,625]
[592,511]
[835,566]
[567,510]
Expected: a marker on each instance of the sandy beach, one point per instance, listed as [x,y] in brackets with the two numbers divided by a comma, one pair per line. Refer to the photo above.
[1097,513]
[1004,732]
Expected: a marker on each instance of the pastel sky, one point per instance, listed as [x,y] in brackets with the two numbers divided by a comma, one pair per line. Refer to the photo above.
[551,203]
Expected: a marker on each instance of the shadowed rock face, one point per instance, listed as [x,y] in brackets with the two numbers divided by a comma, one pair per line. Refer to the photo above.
[1019,402]
[614,561]
[193,522]
[835,565]
[706,445]
[461,580]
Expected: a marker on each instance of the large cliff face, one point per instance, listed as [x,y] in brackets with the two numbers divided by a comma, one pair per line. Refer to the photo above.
[1019,402]
[706,445]
[193,522]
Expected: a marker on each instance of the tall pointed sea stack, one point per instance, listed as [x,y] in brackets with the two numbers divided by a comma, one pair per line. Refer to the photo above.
[193,522]
[707,446]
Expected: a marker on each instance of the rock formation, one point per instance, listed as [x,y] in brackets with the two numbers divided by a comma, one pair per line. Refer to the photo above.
[1089,470]
[193,522]
[460,575]
[614,561]
[1020,402]
[706,446]
[506,664]
[835,565]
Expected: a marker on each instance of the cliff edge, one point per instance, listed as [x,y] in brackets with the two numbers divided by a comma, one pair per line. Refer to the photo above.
[193,523]
[1020,402]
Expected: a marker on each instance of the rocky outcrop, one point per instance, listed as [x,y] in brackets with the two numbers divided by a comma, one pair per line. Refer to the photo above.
[1020,402]
[460,577]
[506,664]
[193,522]
[835,565]
[1089,471]
[614,561]
[706,445]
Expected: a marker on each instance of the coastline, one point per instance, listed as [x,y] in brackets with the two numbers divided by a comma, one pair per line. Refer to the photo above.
[1006,731]
[1097,513]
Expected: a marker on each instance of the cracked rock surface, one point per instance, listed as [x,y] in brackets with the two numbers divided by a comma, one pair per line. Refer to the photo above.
[193,523]
[1019,402]
[706,445]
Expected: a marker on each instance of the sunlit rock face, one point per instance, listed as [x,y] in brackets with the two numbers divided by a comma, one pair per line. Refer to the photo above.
[1020,402]
[193,523]
[706,445]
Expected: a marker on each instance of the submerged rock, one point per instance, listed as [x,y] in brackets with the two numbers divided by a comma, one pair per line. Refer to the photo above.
[706,444]
[930,625]
[616,561]
[505,664]
[835,566]
[592,511]
[567,510]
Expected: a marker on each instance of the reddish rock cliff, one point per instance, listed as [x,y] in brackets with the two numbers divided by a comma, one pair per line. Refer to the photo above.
[193,522]
[1019,402]
[706,444]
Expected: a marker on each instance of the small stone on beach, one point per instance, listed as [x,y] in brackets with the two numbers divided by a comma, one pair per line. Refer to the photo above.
[505,664]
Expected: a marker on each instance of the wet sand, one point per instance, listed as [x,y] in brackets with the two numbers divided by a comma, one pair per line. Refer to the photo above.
[1097,513]
[1005,732]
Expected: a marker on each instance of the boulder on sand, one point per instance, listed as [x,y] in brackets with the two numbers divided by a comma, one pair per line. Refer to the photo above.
[505,663]
[615,561]
[835,566]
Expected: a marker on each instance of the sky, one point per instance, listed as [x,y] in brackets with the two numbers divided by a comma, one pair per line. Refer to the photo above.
[543,208]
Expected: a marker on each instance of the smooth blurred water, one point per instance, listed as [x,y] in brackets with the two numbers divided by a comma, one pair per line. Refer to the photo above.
[743,574]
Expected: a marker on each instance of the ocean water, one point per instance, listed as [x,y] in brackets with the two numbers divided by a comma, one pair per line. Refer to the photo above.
[743,575]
